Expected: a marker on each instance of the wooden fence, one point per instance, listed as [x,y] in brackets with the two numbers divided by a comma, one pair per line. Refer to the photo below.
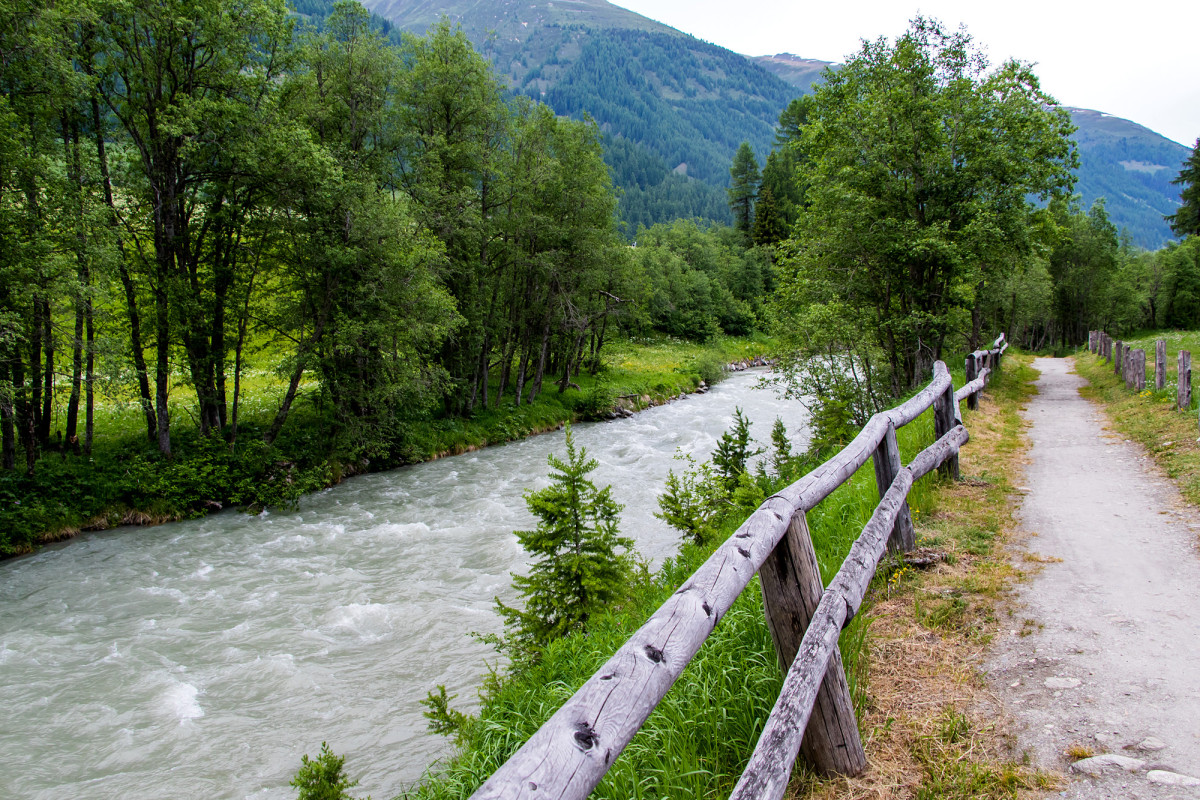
[1130,364]
[570,754]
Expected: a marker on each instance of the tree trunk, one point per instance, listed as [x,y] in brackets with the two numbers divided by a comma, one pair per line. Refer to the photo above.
[48,376]
[137,349]
[536,389]
[8,442]
[75,176]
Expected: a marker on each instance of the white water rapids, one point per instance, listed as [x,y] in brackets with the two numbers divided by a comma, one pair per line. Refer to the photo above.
[203,658]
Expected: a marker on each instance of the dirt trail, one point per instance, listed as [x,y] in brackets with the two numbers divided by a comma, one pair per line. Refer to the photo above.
[1103,651]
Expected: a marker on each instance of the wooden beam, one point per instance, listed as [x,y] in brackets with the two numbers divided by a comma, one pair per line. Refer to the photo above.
[1160,364]
[791,589]
[972,372]
[1183,381]
[903,537]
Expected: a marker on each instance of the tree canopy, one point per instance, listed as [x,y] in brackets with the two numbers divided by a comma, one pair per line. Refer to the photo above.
[918,163]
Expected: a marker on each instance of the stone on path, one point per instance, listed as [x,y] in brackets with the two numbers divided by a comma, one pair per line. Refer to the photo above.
[1171,778]
[1098,764]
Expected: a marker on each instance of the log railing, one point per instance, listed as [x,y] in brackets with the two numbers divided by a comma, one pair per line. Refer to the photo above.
[1130,364]
[570,754]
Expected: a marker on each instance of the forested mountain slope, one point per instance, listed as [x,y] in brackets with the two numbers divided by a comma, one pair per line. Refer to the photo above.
[675,109]
[1132,168]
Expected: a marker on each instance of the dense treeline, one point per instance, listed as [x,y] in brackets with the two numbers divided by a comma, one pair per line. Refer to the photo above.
[187,189]
[384,214]
[699,115]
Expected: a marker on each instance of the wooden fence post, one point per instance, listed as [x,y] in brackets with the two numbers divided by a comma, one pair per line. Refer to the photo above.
[1091,341]
[1139,370]
[1107,345]
[1183,381]
[972,374]
[944,420]
[1118,361]
[1160,364]
[791,587]
[887,466]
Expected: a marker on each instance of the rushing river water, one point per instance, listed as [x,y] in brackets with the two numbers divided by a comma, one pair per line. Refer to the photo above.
[202,658]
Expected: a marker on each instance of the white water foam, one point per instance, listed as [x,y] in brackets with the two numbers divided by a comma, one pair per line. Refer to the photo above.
[179,701]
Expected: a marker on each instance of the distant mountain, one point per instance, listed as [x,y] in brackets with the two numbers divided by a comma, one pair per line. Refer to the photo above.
[1132,168]
[800,72]
[674,109]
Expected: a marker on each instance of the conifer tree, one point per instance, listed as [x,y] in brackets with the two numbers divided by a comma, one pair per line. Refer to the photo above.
[578,566]
[733,451]
[743,188]
[1186,221]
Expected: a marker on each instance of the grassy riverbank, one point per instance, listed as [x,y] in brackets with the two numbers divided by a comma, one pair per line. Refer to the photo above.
[126,481]
[1149,417]
[915,627]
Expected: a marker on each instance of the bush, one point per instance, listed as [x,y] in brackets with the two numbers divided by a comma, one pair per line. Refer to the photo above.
[323,778]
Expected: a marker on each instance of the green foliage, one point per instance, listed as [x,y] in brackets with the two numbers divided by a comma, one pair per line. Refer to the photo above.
[744,179]
[700,281]
[578,568]
[733,451]
[444,720]
[323,778]
[693,500]
[918,198]
[1186,221]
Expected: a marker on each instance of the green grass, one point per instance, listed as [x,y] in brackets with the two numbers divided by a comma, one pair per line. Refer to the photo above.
[1149,417]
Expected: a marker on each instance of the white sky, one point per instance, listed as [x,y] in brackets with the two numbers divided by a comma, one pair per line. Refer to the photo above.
[1137,60]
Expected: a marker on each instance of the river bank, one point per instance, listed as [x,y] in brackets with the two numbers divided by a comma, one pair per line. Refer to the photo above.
[126,482]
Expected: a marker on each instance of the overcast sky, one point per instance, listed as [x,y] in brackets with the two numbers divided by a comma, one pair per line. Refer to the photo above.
[1136,60]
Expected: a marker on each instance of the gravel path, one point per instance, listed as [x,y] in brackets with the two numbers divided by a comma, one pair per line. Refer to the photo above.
[1103,649]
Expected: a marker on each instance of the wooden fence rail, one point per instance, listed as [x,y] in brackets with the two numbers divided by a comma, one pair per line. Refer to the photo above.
[570,754]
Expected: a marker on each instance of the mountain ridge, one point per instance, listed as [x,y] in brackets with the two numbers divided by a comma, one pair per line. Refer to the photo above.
[675,108]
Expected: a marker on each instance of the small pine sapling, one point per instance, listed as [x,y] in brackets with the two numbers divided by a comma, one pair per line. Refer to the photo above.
[692,500]
[580,562]
[733,451]
[323,777]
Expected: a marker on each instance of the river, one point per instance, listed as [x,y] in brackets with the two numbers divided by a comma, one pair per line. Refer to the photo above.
[202,658]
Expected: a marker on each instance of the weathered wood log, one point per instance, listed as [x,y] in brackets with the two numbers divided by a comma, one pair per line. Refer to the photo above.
[767,773]
[974,387]
[791,589]
[945,417]
[1183,381]
[1160,364]
[887,466]
[972,372]
[1138,370]
[1118,360]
